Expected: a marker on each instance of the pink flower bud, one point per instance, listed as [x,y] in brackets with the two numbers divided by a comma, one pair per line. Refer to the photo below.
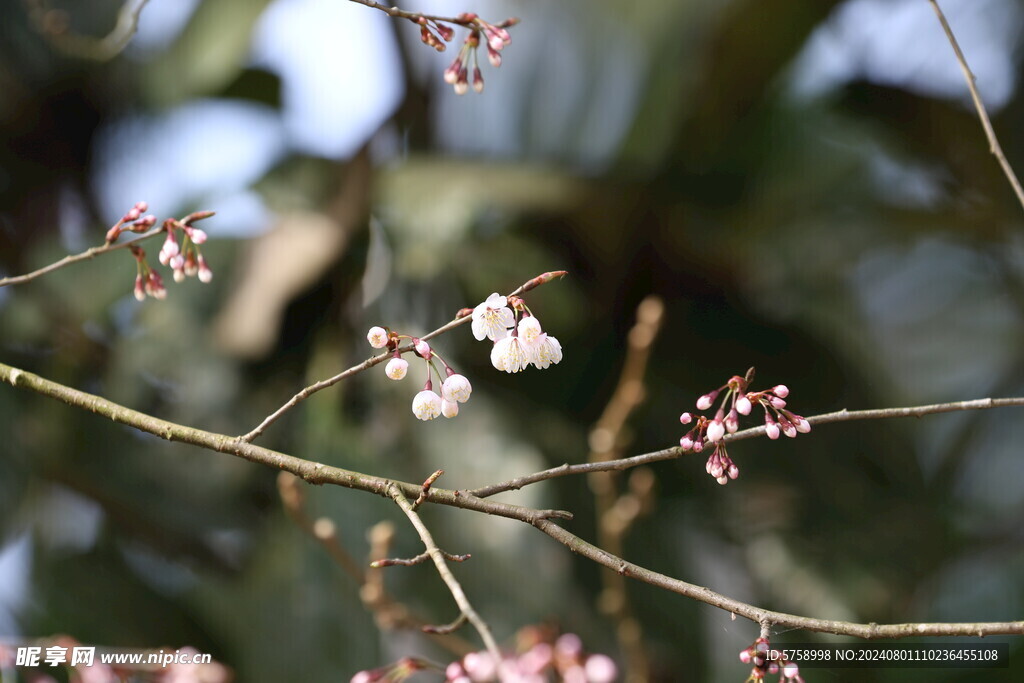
[422,348]
[772,430]
[133,214]
[478,80]
[704,402]
[733,471]
[686,443]
[480,666]
[716,430]
[743,405]
[732,422]
[141,206]
[195,234]
[802,425]
[114,233]
[723,480]
[140,291]
[698,445]
[686,418]
[790,670]
[494,57]
[205,274]
[144,223]
[781,390]
[745,656]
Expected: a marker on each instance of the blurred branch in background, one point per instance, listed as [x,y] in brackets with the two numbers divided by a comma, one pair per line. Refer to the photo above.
[55,25]
[388,613]
[986,124]
[617,511]
[438,556]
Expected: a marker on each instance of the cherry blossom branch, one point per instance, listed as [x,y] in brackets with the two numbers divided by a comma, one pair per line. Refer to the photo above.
[411,16]
[52,24]
[461,319]
[986,124]
[86,255]
[318,473]
[465,607]
[672,453]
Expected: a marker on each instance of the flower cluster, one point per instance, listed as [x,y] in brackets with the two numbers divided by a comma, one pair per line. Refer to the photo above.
[767,661]
[737,401]
[516,346]
[538,660]
[186,260]
[495,36]
[427,404]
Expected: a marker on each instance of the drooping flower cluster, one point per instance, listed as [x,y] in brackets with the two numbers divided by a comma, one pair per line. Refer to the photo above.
[186,260]
[516,346]
[539,659]
[767,661]
[737,401]
[427,404]
[496,37]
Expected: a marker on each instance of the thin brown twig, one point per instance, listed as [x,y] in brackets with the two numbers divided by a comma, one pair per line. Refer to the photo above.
[447,628]
[672,453]
[449,579]
[986,124]
[376,360]
[86,255]
[318,473]
[411,16]
[426,489]
[419,559]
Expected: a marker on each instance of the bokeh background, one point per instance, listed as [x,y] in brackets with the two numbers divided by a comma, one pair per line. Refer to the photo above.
[803,183]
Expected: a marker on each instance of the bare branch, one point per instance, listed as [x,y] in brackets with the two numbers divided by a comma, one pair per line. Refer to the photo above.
[426,489]
[447,628]
[376,360]
[760,616]
[86,255]
[672,453]
[986,124]
[318,473]
[446,574]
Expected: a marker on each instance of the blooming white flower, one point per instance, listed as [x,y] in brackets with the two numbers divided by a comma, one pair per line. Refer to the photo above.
[529,329]
[396,368]
[492,318]
[544,351]
[456,388]
[426,405]
[378,337]
[509,355]
[449,408]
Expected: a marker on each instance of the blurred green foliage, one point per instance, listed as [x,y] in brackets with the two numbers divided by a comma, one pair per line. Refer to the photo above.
[860,246]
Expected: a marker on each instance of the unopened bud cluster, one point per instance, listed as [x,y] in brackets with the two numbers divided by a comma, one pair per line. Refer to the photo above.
[768,661]
[537,659]
[495,37]
[737,401]
[185,260]
[427,404]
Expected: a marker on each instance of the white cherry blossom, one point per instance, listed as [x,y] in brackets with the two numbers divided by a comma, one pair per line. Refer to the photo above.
[426,405]
[493,318]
